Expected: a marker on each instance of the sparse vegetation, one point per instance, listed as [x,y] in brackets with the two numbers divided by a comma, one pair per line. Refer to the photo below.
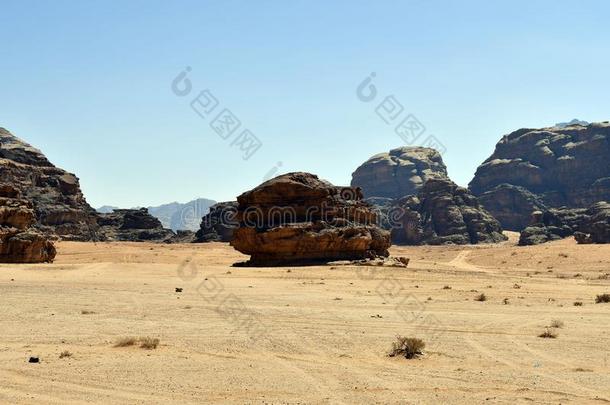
[556,323]
[126,341]
[548,334]
[563,254]
[149,343]
[446,287]
[505,301]
[145,342]
[65,353]
[407,347]
[602,299]
[481,297]
[577,303]
[86,312]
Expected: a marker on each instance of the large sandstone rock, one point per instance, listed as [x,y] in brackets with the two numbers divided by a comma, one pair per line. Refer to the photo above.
[134,225]
[399,173]
[552,224]
[298,218]
[596,227]
[18,242]
[59,205]
[219,224]
[566,166]
[443,213]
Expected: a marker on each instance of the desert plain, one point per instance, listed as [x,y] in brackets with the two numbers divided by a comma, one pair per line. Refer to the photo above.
[306,335]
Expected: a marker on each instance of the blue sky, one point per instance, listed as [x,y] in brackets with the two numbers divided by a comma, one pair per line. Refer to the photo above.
[89,83]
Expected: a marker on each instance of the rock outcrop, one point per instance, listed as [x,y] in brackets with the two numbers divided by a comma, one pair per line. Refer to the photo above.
[133,225]
[218,225]
[18,242]
[297,218]
[401,172]
[557,166]
[596,227]
[552,224]
[59,206]
[443,213]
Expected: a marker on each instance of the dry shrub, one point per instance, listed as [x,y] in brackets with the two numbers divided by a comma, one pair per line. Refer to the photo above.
[602,299]
[126,341]
[556,323]
[548,334]
[481,298]
[147,342]
[65,353]
[577,303]
[407,347]
[86,312]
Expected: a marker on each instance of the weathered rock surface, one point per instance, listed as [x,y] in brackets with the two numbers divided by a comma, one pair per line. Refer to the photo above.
[596,227]
[552,224]
[443,213]
[297,218]
[399,173]
[58,203]
[560,166]
[19,243]
[219,224]
[133,225]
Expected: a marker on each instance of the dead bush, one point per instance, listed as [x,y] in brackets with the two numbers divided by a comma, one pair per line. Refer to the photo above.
[602,299]
[548,334]
[407,347]
[481,298]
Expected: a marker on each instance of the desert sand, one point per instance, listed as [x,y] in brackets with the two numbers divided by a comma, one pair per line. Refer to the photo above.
[301,335]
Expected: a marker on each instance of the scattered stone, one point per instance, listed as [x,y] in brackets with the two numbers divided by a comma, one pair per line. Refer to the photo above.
[178,289]
[34,360]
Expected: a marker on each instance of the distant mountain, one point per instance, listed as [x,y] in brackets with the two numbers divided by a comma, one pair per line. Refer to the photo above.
[573,122]
[176,216]
[106,209]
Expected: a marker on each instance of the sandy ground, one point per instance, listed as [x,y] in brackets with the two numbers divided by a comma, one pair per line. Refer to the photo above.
[304,335]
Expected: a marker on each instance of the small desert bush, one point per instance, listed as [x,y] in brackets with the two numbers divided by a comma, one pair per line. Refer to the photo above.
[65,353]
[408,347]
[602,299]
[577,303]
[556,323]
[86,312]
[548,334]
[126,341]
[149,343]
[481,297]
[144,342]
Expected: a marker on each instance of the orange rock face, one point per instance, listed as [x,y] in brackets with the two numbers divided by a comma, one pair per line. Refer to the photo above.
[18,242]
[297,218]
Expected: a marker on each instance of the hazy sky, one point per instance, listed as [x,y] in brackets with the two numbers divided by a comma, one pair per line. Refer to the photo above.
[89,83]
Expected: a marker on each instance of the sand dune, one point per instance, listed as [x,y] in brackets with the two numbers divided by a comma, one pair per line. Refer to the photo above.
[306,334]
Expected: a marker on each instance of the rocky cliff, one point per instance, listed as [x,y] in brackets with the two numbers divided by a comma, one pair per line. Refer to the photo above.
[300,219]
[398,173]
[19,243]
[555,167]
[58,204]
[133,225]
[442,213]
[219,224]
